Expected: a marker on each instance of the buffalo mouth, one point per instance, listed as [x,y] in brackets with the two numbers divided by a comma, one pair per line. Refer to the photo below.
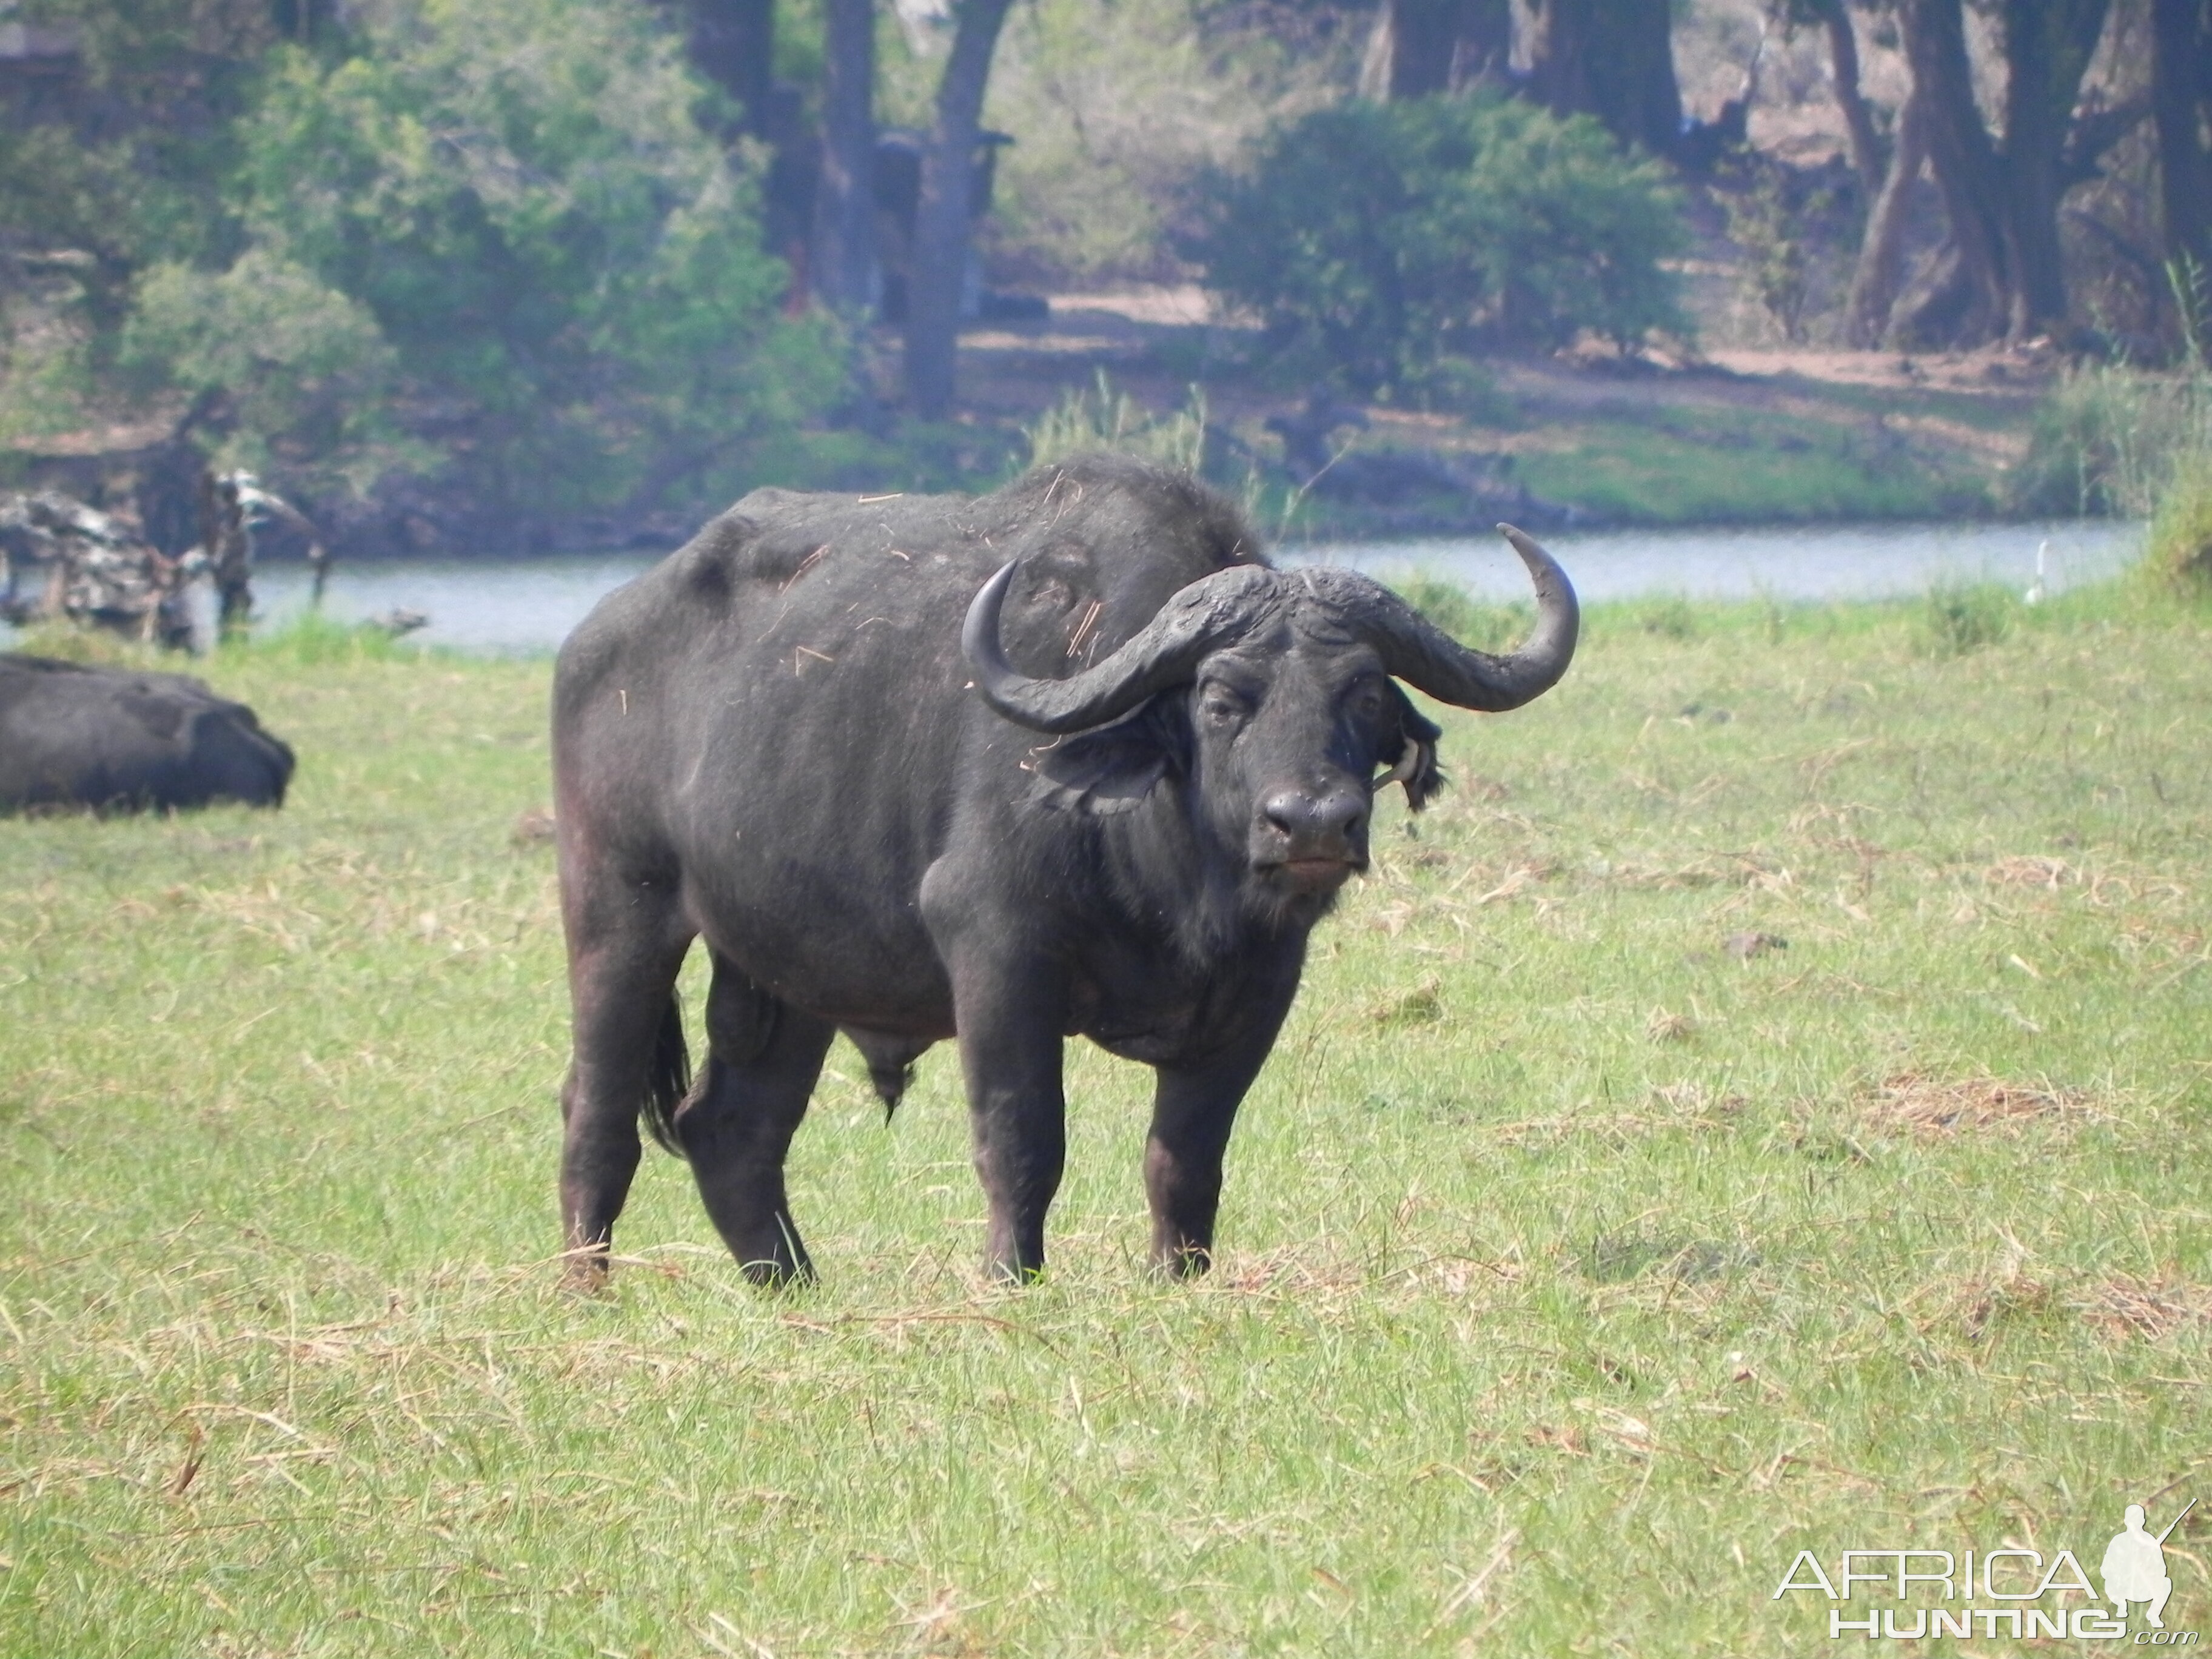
[1315,873]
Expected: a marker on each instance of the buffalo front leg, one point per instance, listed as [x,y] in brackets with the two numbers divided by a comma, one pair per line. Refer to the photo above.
[1194,1109]
[629,1045]
[1009,1022]
[763,1058]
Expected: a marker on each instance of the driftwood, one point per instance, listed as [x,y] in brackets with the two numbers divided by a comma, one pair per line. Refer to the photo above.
[60,559]
[63,560]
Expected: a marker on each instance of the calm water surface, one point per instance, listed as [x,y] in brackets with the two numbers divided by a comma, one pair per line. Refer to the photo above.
[528,606]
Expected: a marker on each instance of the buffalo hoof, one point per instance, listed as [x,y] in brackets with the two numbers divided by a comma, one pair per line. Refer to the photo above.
[1191,1262]
[585,1272]
[775,1275]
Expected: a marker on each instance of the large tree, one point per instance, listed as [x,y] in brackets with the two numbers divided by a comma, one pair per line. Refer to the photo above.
[2000,191]
[1423,46]
[942,221]
[732,44]
[1834,18]
[1881,254]
[2048,45]
[844,263]
[1611,59]
[2181,98]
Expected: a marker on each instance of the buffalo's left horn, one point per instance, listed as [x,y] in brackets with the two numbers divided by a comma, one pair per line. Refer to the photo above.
[1415,650]
[1205,615]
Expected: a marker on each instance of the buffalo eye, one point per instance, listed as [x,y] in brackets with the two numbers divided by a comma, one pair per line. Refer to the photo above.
[1222,708]
[1367,699]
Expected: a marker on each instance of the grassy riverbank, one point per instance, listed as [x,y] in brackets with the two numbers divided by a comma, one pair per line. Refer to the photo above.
[1588,1250]
[1748,437]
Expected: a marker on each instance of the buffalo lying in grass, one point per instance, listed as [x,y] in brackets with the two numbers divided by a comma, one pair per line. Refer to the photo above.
[116,740]
[1114,806]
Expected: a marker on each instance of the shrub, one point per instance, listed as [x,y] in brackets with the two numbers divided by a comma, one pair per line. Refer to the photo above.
[1117,108]
[2107,437]
[1385,237]
[1669,616]
[306,368]
[2180,551]
[561,258]
[1102,418]
[1960,617]
[1460,614]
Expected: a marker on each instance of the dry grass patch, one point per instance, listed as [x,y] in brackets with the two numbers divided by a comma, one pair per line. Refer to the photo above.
[2028,870]
[1422,1006]
[1687,1106]
[1910,1102]
[2119,1307]
[2126,1305]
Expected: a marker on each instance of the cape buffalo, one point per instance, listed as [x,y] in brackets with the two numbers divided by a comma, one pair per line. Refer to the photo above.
[1113,805]
[117,740]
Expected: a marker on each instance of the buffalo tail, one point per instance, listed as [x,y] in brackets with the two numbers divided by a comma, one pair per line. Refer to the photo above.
[670,1078]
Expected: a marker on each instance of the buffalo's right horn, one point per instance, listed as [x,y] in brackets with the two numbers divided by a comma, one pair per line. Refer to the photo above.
[1200,617]
[1415,650]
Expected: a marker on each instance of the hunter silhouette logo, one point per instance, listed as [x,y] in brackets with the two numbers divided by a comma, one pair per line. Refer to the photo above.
[2010,1583]
[2135,1566]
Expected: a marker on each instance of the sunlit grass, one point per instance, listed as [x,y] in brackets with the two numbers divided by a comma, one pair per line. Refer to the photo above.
[1763,1107]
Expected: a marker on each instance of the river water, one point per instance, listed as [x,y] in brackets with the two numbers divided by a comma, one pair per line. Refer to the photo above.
[521,605]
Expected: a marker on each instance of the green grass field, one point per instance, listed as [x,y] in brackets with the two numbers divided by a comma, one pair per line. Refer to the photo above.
[1657,466]
[1588,1252]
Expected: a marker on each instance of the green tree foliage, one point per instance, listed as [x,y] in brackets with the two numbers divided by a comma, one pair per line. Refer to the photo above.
[306,370]
[123,163]
[1382,237]
[518,194]
[1114,109]
[508,228]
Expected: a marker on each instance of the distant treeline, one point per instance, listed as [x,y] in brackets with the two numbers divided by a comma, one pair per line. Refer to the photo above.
[509,266]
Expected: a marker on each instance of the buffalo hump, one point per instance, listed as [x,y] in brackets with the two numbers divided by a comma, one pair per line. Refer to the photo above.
[116,740]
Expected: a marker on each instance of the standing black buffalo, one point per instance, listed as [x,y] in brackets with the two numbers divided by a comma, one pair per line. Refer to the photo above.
[783,739]
[117,740]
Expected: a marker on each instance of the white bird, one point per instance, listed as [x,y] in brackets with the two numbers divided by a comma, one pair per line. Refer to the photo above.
[2035,589]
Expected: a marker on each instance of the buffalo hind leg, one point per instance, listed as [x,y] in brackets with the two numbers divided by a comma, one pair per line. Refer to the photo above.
[629,1049]
[763,1057]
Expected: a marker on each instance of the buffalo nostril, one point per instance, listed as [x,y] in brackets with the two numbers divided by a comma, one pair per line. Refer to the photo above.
[1301,817]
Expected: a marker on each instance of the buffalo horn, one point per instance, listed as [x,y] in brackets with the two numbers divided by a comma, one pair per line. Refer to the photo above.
[1203,615]
[1413,649]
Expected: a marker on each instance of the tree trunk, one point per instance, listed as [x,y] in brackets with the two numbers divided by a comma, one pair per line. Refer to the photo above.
[2181,106]
[1614,60]
[1482,43]
[1559,52]
[1881,256]
[2048,45]
[1843,75]
[944,215]
[732,44]
[1633,73]
[1424,46]
[1968,169]
[845,201]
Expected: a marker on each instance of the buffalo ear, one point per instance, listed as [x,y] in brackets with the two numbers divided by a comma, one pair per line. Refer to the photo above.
[1412,756]
[1110,770]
